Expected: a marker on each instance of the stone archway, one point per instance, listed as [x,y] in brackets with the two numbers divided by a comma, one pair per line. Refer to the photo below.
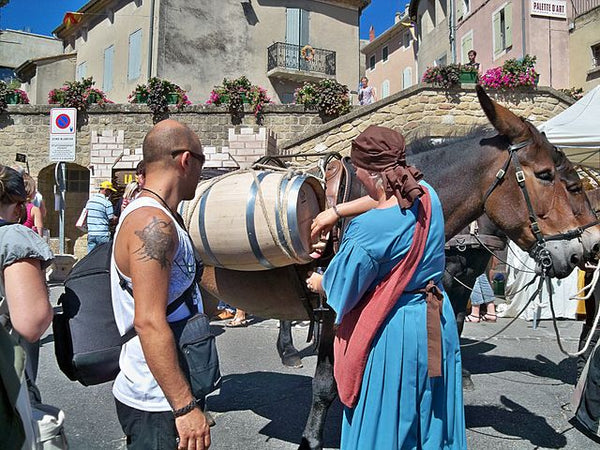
[76,196]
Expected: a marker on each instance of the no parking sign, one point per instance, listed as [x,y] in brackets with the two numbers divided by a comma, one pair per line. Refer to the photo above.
[63,133]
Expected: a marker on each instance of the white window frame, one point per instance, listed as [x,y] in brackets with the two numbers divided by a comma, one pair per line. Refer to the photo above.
[595,61]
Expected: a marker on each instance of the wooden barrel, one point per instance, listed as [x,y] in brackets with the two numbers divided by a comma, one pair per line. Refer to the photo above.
[254,220]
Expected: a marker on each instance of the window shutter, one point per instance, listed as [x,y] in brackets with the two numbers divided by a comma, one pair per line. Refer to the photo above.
[407,78]
[466,46]
[304,34]
[292,31]
[497,33]
[508,17]
[107,81]
[385,89]
[460,9]
[134,66]
[81,70]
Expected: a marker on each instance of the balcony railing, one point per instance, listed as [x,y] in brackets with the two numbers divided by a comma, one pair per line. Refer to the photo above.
[289,57]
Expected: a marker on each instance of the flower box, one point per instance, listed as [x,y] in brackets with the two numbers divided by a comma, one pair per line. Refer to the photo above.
[468,77]
[172,98]
[141,98]
[12,98]
[93,97]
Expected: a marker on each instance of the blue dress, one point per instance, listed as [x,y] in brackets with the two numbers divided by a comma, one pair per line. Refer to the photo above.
[399,406]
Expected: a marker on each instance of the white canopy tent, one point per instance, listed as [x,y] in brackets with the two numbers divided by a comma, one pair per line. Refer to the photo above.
[576,130]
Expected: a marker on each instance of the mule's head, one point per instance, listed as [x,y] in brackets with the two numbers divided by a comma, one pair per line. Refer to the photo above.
[537,207]
[583,210]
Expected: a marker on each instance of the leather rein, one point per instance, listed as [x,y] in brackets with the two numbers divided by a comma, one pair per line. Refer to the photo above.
[538,249]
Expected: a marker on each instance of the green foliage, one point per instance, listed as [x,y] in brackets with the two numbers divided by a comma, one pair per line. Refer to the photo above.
[445,76]
[78,94]
[574,93]
[4,91]
[158,94]
[328,96]
[518,66]
[234,93]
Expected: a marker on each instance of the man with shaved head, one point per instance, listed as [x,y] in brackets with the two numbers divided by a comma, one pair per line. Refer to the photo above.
[153,256]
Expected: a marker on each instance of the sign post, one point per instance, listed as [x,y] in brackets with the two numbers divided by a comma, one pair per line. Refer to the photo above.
[63,140]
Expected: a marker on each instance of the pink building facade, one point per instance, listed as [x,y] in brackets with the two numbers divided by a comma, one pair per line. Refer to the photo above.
[500,29]
[391,59]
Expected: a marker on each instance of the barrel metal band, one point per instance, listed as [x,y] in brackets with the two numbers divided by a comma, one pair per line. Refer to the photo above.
[202,230]
[251,226]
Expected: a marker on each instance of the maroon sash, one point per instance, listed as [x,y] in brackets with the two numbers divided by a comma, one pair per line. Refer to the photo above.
[359,326]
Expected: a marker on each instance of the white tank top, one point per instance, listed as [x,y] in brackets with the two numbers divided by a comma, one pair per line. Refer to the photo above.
[135,385]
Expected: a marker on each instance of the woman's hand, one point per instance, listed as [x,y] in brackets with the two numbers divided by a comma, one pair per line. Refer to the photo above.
[314,283]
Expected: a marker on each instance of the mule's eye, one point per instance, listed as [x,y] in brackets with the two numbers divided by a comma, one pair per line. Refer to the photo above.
[575,188]
[545,175]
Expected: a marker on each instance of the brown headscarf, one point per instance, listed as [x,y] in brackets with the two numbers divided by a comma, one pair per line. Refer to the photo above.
[381,149]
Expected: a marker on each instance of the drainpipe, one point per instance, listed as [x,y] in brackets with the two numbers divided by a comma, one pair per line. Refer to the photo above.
[151,39]
[524,42]
[452,25]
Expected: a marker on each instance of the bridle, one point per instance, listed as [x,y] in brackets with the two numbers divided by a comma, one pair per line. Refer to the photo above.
[538,250]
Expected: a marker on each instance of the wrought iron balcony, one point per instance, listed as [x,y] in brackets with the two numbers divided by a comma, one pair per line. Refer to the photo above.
[287,61]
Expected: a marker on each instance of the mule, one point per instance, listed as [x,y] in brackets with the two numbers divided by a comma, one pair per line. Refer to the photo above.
[529,209]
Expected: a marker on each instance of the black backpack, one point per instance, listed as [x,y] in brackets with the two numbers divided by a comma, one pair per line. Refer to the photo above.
[87,342]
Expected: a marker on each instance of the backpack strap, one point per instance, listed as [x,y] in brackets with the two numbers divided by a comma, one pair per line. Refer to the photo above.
[185,297]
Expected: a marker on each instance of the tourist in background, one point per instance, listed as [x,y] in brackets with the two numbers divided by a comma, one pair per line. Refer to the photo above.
[25,309]
[100,216]
[366,93]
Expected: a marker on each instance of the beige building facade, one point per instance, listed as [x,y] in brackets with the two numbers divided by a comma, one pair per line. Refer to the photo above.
[122,43]
[391,64]
[584,47]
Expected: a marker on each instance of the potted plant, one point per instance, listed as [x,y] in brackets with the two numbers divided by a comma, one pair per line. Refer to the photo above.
[328,96]
[512,74]
[237,92]
[445,76]
[158,94]
[78,94]
[306,95]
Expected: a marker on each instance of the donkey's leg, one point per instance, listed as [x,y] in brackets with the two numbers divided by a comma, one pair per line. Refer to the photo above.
[285,345]
[324,389]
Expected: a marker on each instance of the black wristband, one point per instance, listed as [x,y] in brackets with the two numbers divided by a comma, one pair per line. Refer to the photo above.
[186,409]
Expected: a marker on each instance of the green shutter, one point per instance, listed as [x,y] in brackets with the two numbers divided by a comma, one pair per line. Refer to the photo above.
[497,33]
[465,47]
[460,8]
[508,21]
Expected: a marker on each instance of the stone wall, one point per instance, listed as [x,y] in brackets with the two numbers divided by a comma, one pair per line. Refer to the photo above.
[426,111]
[111,138]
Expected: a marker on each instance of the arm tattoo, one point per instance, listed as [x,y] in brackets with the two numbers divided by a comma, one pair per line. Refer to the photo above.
[157,239]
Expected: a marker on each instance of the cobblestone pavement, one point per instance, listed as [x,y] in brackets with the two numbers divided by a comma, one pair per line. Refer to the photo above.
[520,399]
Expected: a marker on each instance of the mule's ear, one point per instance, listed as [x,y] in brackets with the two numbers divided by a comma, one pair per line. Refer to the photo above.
[503,120]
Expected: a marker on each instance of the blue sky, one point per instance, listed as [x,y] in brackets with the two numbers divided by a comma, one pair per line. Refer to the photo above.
[43,16]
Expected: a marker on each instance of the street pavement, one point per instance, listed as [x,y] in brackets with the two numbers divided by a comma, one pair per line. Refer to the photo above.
[520,400]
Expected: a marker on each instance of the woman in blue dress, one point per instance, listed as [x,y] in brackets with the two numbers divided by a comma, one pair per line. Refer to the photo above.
[400,402]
